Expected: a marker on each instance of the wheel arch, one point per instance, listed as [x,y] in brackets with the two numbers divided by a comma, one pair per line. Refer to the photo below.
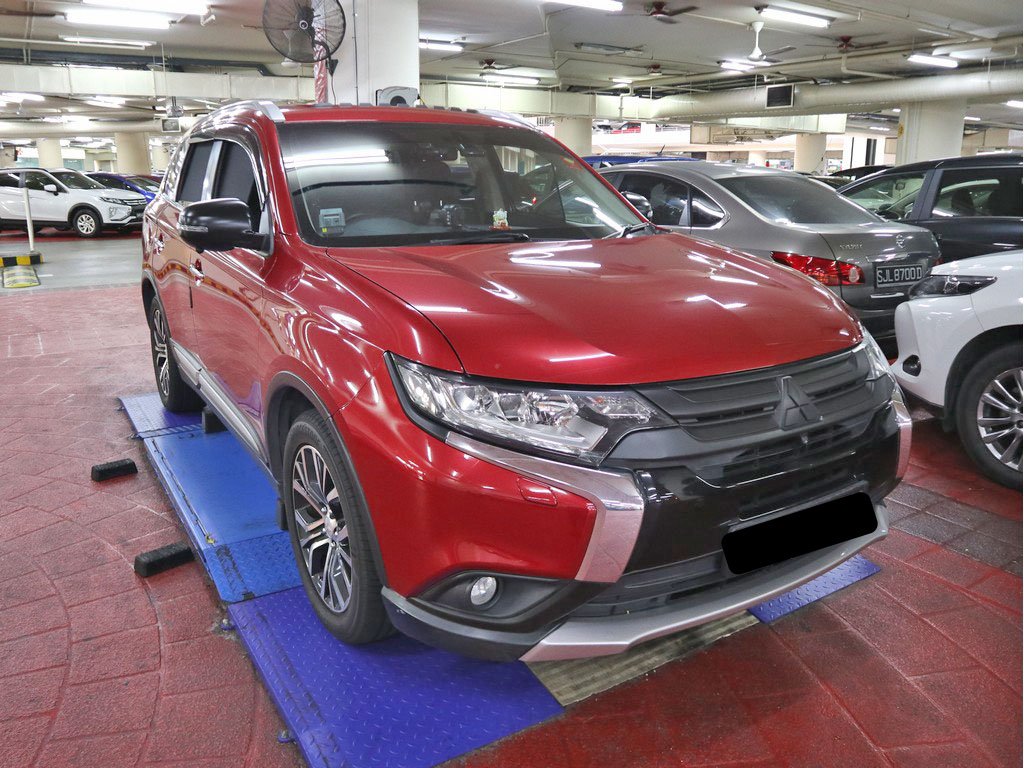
[78,207]
[148,293]
[289,396]
[973,351]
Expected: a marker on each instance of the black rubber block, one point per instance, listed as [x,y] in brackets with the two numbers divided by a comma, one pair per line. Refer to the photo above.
[211,422]
[113,469]
[163,559]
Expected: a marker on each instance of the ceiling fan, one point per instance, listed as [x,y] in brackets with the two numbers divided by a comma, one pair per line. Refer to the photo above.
[845,44]
[765,56]
[661,12]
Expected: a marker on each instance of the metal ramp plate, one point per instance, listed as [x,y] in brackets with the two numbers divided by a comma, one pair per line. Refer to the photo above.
[843,575]
[392,703]
[148,416]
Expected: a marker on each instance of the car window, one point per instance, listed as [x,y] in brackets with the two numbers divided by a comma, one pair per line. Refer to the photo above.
[978,192]
[788,198]
[9,180]
[109,182]
[143,183]
[892,196]
[669,199]
[235,178]
[76,180]
[35,180]
[355,184]
[194,173]
[704,212]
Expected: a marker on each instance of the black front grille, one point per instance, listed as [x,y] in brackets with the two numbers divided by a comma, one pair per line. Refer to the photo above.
[138,208]
[744,404]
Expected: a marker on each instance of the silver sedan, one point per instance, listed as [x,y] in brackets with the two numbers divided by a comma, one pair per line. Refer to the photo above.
[791,219]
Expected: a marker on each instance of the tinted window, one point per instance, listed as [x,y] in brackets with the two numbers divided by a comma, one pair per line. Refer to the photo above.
[404,183]
[979,192]
[893,196]
[110,182]
[8,180]
[143,183]
[35,180]
[785,198]
[76,180]
[235,178]
[194,172]
[704,212]
[669,199]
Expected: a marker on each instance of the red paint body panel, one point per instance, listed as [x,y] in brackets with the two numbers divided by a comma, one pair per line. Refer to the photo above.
[437,510]
[607,312]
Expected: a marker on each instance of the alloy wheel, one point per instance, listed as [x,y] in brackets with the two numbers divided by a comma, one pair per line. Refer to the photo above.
[321,528]
[160,359]
[86,223]
[999,417]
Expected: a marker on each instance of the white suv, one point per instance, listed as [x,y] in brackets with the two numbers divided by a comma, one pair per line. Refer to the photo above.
[66,199]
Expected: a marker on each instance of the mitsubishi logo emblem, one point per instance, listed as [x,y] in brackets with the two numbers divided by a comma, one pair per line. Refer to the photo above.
[795,408]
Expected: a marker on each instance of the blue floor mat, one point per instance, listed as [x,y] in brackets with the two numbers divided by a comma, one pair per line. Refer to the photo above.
[149,417]
[229,508]
[843,575]
[389,704]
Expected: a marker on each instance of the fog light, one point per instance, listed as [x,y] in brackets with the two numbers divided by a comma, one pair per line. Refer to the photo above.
[483,591]
[912,365]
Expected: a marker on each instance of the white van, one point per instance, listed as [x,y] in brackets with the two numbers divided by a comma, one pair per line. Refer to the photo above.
[66,199]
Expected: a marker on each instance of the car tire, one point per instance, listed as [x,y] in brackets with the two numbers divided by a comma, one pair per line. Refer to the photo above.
[86,222]
[175,393]
[988,414]
[333,554]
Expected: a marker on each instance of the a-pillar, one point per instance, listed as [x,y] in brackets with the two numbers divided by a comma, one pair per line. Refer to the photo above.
[929,130]
[380,50]
[757,157]
[810,153]
[49,153]
[577,133]
[132,152]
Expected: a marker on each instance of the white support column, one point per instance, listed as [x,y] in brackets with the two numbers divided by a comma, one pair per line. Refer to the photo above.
[930,130]
[132,152]
[380,49]
[757,157]
[49,153]
[809,156]
[577,133]
[159,157]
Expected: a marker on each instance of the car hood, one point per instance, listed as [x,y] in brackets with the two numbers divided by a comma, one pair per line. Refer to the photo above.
[130,198]
[623,311]
[987,266]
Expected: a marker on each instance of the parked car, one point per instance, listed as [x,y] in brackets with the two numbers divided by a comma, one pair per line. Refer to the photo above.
[509,420]
[971,204]
[607,161]
[66,199]
[960,351]
[143,185]
[783,216]
[859,172]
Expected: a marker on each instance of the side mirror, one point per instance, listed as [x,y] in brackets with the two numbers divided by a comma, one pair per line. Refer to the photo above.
[51,188]
[219,225]
[641,203]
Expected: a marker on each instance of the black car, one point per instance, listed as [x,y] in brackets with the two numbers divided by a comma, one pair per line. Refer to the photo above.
[971,204]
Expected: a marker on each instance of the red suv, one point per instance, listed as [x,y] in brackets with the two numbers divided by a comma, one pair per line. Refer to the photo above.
[504,413]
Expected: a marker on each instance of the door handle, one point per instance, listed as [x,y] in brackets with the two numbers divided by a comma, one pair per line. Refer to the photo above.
[158,246]
[196,270]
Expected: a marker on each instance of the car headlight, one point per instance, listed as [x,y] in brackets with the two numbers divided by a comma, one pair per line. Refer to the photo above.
[114,201]
[948,285]
[879,362]
[581,424]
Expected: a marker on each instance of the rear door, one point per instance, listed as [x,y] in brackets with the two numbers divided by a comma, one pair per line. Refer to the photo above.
[975,211]
[228,295]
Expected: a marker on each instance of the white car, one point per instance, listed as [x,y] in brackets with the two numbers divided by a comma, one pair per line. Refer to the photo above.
[960,350]
[66,199]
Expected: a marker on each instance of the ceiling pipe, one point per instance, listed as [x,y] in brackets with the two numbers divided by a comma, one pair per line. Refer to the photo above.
[825,99]
[35,129]
[847,71]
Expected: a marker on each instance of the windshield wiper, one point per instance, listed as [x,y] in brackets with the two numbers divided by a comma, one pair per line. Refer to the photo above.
[469,238]
[632,229]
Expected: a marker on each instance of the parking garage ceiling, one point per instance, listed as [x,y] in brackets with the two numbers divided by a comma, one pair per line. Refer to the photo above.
[563,47]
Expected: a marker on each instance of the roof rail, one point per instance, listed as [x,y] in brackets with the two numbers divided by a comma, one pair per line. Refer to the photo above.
[273,111]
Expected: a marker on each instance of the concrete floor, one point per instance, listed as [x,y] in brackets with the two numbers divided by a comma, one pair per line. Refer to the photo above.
[78,262]
[919,665]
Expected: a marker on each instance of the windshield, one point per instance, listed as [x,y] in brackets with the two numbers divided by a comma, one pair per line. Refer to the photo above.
[795,200]
[143,183]
[76,180]
[379,184]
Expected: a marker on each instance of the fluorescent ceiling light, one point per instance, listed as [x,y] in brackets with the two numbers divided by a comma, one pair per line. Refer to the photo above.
[795,17]
[603,49]
[1015,104]
[106,42]
[622,80]
[100,17]
[511,79]
[736,66]
[970,119]
[116,101]
[933,61]
[896,110]
[18,96]
[98,103]
[598,5]
[877,128]
[433,45]
[174,7]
